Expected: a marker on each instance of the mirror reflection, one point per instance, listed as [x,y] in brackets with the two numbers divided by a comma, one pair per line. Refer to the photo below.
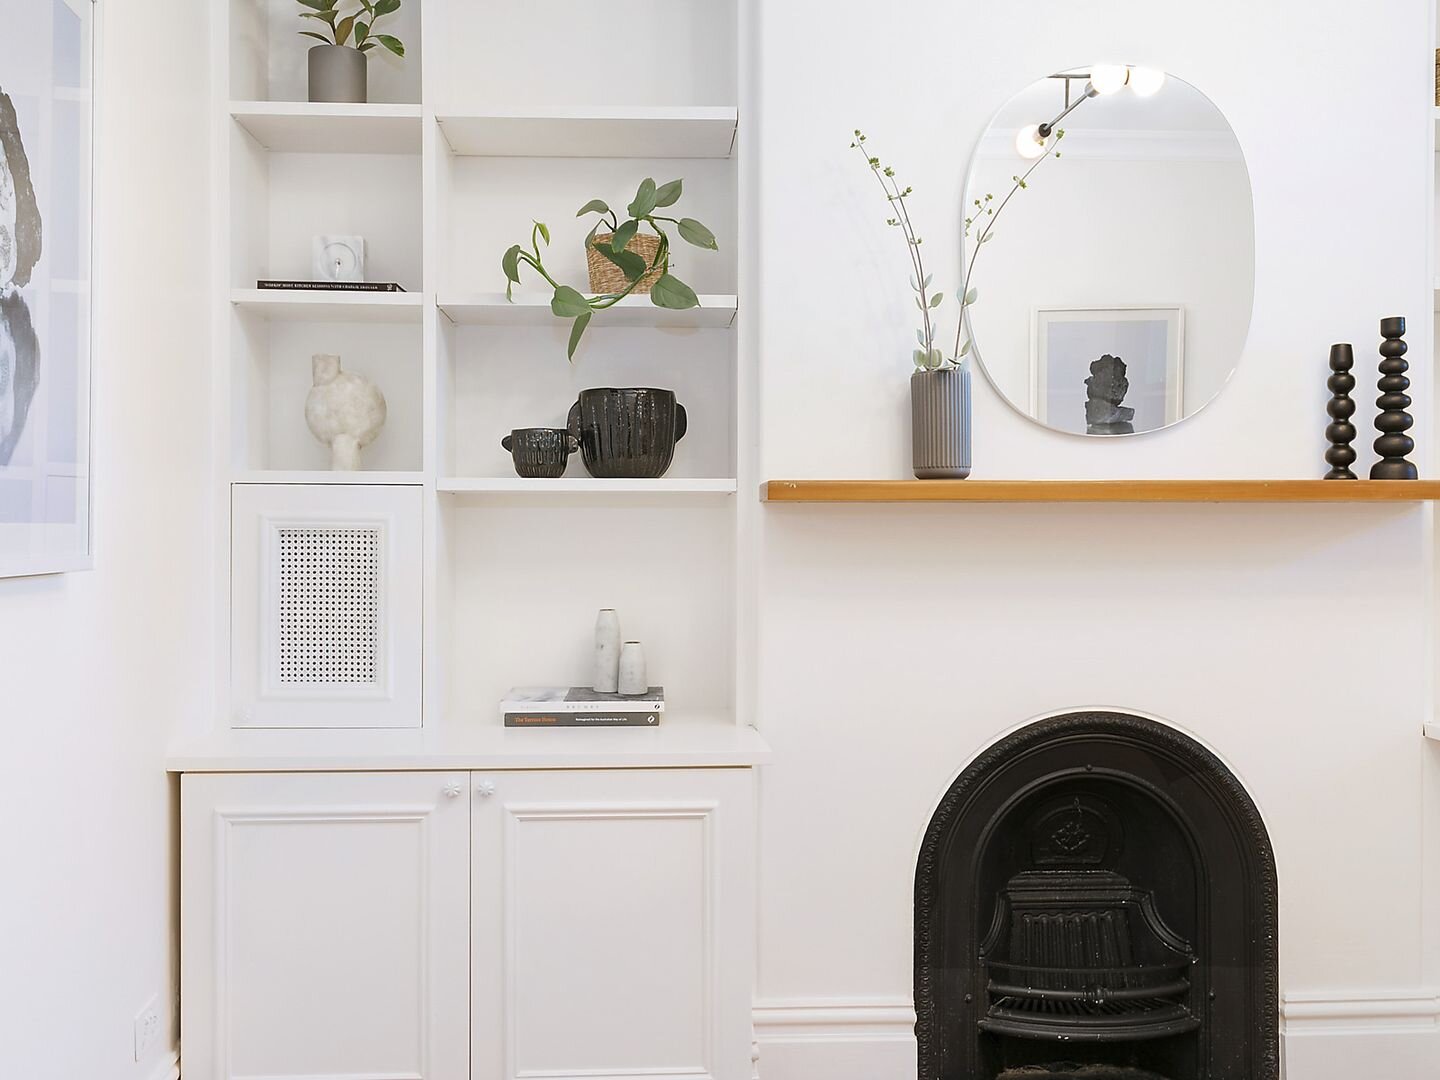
[1110,247]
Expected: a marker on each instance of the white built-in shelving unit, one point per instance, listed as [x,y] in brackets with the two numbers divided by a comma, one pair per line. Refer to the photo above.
[447,167]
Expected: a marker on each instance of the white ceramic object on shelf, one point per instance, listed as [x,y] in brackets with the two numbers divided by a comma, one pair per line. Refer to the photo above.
[339,258]
[344,411]
[607,651]
[634,680]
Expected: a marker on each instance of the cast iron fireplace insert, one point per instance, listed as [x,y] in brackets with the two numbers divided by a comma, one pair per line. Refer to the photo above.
[1096,898]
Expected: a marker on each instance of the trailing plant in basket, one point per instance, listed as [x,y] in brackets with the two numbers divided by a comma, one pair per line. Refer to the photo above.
[359,23]
[668,291]
[980,220]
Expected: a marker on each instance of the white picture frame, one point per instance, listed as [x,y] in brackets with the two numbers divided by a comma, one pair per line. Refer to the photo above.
[1150,338]
[48,120]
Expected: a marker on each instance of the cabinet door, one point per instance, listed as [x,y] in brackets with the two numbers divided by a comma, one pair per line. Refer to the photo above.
[324,919]
[613,924]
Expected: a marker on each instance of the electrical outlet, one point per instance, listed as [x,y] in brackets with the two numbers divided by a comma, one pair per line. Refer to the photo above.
[147,1027]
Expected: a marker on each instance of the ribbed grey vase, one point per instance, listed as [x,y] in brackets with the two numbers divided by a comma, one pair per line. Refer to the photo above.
[338,73]
[940,423]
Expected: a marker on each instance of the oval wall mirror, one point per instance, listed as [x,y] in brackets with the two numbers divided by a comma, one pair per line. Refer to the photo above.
[1110,247]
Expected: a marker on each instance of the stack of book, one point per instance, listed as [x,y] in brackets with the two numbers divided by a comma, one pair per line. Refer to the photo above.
[270,284]
[579,706]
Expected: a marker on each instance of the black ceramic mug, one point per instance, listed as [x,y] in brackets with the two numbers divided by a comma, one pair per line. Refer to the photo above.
[628,433]
[540,452]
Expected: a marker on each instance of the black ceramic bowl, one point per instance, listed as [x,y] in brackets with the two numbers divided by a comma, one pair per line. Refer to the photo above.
[540,452]
[629,432]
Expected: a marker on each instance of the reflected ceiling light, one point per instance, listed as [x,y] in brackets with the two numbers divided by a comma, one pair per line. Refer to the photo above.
[1146,82]
[1029,143]
[1108,78]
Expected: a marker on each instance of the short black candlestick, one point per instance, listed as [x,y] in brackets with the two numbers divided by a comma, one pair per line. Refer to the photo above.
[1341,431]
[1393,421]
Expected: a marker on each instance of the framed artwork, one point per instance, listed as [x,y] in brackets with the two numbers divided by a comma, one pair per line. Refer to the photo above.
[47,70]
[1108,371]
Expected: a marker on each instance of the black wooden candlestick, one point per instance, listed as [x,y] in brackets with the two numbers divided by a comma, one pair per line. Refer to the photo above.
[1341,407]
[1393,421]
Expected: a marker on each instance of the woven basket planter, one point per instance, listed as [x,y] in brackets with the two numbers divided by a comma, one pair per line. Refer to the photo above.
[606,277]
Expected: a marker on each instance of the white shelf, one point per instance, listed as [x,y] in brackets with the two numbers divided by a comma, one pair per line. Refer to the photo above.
[330,306]
[1432,730]
[716,312]
[361,478]
[300,127]
[584,485]
[710,741]
[597,132]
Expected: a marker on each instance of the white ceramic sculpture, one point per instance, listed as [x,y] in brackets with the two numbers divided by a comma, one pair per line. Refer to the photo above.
[344,411]
[607,652]
[634,680]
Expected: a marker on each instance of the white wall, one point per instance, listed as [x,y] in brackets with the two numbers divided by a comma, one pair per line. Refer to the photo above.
[97,669]
[895,643]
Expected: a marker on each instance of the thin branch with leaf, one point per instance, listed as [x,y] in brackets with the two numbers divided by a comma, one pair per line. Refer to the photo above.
[928,357]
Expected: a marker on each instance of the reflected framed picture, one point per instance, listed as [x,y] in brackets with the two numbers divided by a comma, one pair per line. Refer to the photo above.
[47,121]
[1108,371]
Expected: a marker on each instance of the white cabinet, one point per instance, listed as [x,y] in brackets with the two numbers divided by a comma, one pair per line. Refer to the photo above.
[613,929]
[497,925]
[323,926]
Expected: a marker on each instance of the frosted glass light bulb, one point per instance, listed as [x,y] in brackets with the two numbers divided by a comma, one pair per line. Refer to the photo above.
[1028,143]
[1108,78]
[1146,82]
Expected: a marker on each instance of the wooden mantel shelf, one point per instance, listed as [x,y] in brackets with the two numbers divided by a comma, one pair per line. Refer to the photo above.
[1100,491]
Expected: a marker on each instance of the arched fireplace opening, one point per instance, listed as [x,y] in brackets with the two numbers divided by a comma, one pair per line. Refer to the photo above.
[1096,899]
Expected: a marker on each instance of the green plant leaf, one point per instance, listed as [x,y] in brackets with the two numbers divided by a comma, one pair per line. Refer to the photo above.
[972,296]
[594,206]
[343,28]
[644,203]
[631,263]
[511,264]
[669,194]
[624,235]
[544,232]
[391,43]
[920,358]
[361,33]
[695,233]
[569,304]
[671,292]
[366,47]
[385,7]
[577,332]
[937,300]
[317,37]
[963,351]
[327,17]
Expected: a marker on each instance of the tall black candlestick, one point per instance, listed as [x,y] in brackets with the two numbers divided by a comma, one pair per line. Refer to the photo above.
[1341,432]
[1393,421]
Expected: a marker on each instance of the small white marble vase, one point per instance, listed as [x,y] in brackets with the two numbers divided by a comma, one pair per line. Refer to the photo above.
[607,651]
[344,411]
[634,679]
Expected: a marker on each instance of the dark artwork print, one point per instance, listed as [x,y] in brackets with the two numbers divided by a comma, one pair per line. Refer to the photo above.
[20,245]
[1105,389]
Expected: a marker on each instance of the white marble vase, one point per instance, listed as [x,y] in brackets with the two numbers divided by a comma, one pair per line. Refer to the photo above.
[344,411]
[607,651]
[634,679]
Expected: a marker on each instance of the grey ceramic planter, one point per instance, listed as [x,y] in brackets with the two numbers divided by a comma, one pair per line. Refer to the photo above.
[338,73]
[940,423]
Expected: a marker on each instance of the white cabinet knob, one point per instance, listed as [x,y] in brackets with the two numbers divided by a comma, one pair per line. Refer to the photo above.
[452,791]
[485,788]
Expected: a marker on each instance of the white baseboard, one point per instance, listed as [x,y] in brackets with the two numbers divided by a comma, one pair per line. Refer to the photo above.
[169,1068]
[1326,1036]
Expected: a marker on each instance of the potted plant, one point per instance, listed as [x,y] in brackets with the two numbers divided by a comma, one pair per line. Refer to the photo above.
[622,260]
[940,384]
[339,65]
